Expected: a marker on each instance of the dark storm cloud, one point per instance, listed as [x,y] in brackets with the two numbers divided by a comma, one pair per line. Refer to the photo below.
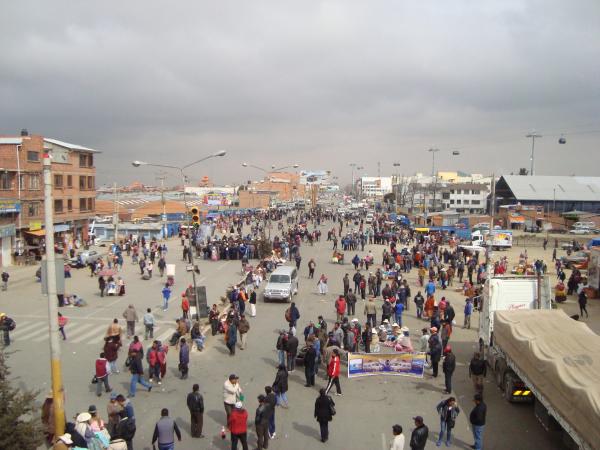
[321,83]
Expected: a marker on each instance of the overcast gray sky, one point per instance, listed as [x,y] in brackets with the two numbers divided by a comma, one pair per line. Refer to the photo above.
[320,83]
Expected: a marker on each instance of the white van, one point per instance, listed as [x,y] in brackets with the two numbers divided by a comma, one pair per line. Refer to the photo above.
[282,284]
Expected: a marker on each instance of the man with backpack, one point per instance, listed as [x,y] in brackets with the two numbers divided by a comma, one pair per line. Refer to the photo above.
[6,325]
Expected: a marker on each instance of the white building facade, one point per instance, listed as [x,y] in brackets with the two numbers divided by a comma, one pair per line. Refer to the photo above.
[375,186]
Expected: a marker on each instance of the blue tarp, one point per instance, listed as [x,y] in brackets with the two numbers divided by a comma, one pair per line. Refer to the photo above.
[593,243]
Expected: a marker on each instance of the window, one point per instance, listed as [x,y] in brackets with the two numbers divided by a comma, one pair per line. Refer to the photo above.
[475,202]
[452,191]
[22,182]
[445,195]
[58,206]
[458,202]
[475,192]
[90,204]
[34,181]
[58,181]
[5,181]
[86,160]
[82,204]
[34,209]
[69,181]
[466,202]
[33,156]
[452,202]
[82,183]
[69,205]
[90,183]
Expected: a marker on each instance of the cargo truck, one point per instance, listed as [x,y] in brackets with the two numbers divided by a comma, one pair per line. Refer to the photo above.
[500,239]
[546,357]
[529,346]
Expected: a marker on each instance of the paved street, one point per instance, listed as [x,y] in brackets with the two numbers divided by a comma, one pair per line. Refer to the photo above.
[365,413]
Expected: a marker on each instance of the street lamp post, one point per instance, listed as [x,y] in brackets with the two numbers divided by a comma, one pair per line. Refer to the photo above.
[273,168]
[55,363]
[397,164]
[185,203]
[533,135]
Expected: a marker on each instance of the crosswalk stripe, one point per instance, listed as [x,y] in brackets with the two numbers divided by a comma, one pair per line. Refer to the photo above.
[28,326]
[165,336]
[69,331]
[99,332]
[42,330]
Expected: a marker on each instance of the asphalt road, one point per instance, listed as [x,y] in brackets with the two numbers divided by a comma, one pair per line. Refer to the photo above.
[365,413]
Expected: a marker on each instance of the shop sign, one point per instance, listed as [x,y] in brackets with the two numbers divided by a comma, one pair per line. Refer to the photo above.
[35,225]
[9,206]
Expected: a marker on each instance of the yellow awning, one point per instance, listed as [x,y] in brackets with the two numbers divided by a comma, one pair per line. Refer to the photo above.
[422,230]
[36,232]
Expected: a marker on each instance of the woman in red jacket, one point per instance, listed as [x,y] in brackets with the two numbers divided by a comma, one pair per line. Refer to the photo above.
[333,372]
[238,426]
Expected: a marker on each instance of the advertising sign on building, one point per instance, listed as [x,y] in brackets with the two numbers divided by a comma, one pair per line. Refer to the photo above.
[9,206]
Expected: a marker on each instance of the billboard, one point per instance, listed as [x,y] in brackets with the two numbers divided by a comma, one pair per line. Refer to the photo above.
[398,364]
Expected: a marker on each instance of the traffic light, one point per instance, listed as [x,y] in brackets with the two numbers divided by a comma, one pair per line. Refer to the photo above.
[195,216]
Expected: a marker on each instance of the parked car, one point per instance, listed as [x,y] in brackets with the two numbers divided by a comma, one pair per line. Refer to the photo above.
[576,258]
[581,230]
[84,258]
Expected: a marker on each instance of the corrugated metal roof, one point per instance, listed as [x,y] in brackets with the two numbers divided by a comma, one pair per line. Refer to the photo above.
[11,140]
[580,189]
[69,146]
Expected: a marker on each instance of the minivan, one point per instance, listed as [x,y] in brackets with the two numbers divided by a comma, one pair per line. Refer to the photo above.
[282,284]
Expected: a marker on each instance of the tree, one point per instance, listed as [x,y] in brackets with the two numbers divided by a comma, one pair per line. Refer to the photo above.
[20,425]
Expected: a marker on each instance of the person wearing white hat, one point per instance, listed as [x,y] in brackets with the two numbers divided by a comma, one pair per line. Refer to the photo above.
[83,426]
[238,426]
[63,442]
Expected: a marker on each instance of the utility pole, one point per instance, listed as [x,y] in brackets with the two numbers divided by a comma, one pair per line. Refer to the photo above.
[490,240]
[433,174]
[162,176]
[55,363]
[116,213]
[533,135]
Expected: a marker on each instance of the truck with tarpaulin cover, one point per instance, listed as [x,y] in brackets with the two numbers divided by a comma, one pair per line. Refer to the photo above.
[555,362]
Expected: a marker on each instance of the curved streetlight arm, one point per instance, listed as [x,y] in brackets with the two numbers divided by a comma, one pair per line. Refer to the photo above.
[293,166]
[214,155]
[254,167]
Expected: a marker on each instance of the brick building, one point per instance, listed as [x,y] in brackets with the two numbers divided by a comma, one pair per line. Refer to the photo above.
[285,186]
[22,183]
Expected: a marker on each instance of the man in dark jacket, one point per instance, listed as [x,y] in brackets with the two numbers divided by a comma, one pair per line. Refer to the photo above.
[477,419]
[346,281]
[271,399]
[477,372]
[418,438]
[137,374]
[292,351]
[350,303]
[310,358]
[195,404]
[448,367]
[324,410]
[125,429]
[261,422]
[435,351]
[449,313]
[386,311]
[280,386]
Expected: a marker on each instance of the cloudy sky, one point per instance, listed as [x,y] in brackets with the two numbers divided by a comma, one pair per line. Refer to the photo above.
[318,83]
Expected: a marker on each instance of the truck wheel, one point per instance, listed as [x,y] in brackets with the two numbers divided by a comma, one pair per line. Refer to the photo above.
[508,384]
